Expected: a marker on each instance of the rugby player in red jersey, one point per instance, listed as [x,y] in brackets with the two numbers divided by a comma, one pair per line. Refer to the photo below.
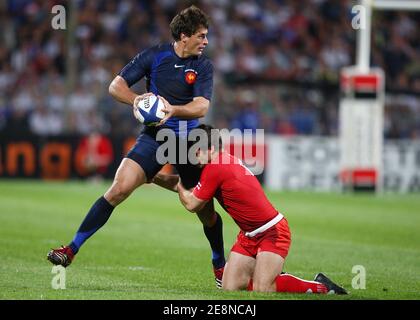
[256,259]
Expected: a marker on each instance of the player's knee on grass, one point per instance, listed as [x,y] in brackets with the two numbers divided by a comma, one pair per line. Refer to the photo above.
[238,272]
[268,266]
[231,285]
[263,286]
[235,283]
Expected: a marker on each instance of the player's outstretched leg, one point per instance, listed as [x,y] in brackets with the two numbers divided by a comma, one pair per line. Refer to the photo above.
[288,283]
[267,277]
[291,284]
[213,229]
[128,177]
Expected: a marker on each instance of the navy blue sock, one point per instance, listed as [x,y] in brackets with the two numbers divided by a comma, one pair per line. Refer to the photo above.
[97,216]
[215,236]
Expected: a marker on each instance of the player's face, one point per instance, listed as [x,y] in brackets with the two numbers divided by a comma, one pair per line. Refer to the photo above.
[203,157]
[195,44]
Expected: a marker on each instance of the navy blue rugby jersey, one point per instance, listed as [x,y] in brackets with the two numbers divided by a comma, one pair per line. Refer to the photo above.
[176,79]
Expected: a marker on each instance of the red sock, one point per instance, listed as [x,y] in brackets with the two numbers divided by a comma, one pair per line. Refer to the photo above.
[292,284]
[289,283]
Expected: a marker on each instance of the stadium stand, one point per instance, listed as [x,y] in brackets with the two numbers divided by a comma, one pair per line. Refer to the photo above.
[277,64]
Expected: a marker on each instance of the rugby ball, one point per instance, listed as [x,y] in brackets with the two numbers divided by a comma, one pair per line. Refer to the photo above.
[149,110]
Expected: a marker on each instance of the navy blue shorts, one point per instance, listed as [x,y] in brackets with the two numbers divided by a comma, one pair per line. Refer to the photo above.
[144,153]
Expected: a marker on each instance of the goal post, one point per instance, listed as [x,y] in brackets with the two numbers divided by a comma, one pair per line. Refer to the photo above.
[361,129]
[361,109]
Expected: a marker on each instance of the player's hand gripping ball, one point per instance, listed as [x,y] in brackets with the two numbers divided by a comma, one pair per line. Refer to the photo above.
[149,110]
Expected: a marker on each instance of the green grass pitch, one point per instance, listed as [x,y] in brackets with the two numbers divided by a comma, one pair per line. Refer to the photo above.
[151,248]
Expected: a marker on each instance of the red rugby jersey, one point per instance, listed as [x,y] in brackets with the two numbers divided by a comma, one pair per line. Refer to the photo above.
[237,190]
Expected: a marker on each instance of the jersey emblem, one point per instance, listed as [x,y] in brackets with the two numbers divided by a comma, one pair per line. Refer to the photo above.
[190,76]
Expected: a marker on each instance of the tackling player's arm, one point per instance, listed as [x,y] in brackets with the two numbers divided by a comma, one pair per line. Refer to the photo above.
[194,200]
[167,181]
[189,200]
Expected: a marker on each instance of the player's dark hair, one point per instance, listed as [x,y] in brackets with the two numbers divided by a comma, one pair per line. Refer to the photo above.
[213,137]
[188,21]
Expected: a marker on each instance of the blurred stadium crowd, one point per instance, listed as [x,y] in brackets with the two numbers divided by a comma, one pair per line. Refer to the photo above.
[277,64]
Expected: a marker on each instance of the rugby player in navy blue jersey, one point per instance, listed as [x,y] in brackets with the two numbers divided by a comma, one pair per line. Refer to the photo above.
[183,77]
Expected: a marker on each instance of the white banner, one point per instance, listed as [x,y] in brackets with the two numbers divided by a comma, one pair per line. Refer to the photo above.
[312,163]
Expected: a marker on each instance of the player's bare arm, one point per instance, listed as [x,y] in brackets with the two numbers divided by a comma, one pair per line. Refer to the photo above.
[193,110]
[120,90]
[167,181]
[188,200]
